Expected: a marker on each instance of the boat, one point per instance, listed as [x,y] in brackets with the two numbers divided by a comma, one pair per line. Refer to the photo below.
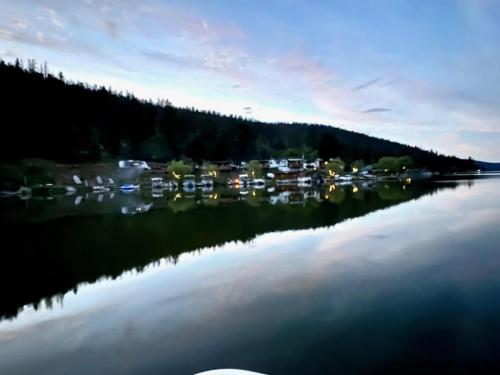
[257,182]
[189,183]
[304,181]
[99,188]
[129,187]
[243,178]
[207,181]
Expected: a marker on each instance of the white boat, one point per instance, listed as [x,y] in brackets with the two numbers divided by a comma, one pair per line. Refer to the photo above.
[344,178]
[99,188]
[207,181]
[257,182]
[304,181]
[129,187]
[243,178]
[189,183]
[157,183]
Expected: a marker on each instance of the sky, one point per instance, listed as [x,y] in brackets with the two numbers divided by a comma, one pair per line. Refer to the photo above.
[420,72]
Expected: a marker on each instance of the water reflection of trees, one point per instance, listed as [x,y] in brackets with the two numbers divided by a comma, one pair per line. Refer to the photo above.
[50,254]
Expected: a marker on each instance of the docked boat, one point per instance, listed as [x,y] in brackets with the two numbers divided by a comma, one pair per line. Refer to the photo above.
[189,183]
[207,181]
[129,187]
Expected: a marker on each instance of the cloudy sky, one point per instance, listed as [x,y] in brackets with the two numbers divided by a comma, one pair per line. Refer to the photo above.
[421,72]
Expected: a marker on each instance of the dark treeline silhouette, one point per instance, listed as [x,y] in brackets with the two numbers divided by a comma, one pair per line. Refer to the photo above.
[46,116]
[50,257]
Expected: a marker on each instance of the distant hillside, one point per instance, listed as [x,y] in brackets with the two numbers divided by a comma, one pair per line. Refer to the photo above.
[45,116]
[486,166]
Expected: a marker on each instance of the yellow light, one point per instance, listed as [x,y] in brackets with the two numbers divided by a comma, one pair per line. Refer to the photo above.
[332,188]
[355,170]
[215,196]
[355,189]
[177,196]
[177,176]
[326,163]
[326,196]
[331,173]
[253,193]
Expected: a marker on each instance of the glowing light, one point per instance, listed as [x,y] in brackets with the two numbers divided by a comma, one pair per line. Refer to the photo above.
[177,176]
[326,196]
[355,189]
[331,173]
[177,196]
[331,188]
[355,170]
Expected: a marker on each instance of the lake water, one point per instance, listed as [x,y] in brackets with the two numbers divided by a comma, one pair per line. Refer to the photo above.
[345,280]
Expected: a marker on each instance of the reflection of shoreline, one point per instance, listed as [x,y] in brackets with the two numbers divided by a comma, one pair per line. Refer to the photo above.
[49,258]
[46,208]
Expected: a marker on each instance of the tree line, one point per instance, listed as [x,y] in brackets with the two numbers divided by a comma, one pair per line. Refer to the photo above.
[47,116]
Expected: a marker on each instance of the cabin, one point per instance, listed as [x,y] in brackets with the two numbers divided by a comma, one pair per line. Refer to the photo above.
[312,165]
[287,165]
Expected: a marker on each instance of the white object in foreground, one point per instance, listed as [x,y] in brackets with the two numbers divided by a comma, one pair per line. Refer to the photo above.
[229,371]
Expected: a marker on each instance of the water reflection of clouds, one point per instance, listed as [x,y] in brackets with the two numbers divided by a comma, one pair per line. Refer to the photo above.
[242,295]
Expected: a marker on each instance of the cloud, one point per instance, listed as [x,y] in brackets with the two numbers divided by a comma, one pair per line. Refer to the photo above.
[111,28]
[367,84]
[377,109]
[178,60]
[55,19]
[42,39]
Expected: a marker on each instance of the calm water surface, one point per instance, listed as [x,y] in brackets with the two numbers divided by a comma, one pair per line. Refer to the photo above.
[356,279]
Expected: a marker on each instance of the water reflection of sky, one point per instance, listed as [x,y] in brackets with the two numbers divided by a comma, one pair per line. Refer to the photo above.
[368,288]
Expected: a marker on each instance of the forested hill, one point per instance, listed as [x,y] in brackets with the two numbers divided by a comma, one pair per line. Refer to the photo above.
[45,116]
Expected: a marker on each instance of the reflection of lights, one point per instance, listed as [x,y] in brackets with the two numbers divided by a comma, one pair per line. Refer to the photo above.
[404,187]
[355,189]
[253,193]
[177,176]
[177,196]
[326,163]
[215,196]
[355,170]
[331,173]
[404,167]
[408,180]
[331,188]
[386,170]
[326,196]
